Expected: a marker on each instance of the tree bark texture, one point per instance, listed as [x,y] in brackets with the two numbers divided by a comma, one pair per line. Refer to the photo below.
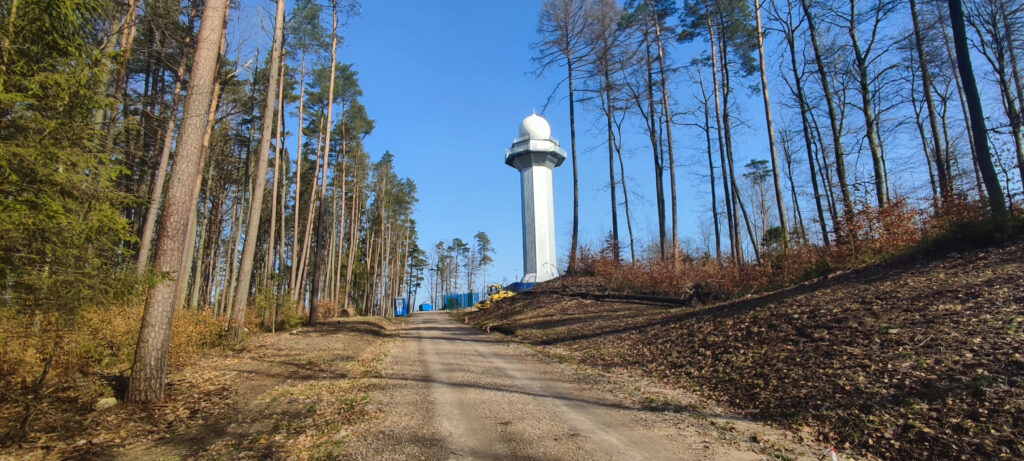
[149,368]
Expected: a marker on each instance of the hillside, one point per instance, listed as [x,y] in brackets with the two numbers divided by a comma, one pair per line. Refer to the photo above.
[916,358]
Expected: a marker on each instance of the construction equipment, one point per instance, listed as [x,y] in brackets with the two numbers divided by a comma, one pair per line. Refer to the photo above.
[495,292]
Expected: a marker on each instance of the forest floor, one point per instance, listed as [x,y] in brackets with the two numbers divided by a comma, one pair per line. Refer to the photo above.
[919,357]
[286,396]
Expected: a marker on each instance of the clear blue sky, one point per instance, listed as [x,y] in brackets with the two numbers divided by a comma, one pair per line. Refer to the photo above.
[448,84]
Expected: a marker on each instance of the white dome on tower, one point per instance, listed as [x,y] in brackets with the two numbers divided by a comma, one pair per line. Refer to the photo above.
[536,127]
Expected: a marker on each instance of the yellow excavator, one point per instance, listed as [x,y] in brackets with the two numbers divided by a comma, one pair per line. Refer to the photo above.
[495,292]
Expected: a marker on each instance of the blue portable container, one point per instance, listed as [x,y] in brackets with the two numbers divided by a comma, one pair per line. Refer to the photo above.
[401,307]
[461,300]
[426,307]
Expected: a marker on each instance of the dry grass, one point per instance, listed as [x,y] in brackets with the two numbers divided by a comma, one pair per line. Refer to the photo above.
[91,359]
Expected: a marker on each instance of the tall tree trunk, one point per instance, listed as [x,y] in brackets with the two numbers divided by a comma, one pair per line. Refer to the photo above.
[1018,84]
[314,300]
[625,192]
[711,174]
[205,233]
[299,293]
[659,170]
[936,204]
[197,272]
[735,251]
[1013,113]
[963,59]
[278,150]
[314,290]
[332,242]
[321,163]
[833,117]
[870,126]
[606,94]
[666,108]
[824,168]
[341,224]
[293,282]
[216,212]
[353,239]
[252,230]
[945,182]
[978,183]
[776,177]
[370,276]
[284,227]
[156,192]
[186,261]
[575,171]
[149,368]
[798,87]
[235,241]
[723,51]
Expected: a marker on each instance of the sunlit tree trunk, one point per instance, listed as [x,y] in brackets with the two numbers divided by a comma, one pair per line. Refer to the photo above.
[798,89]
[667,111]
[659,169]
[833,117]
[944,181]
[353,239]
[780,205]
[314,294]
[293,282]
[186,261]
[321,163]
[156,192]
[625,192]
[866,107]
[734,242]
[149,368]
[278,150]
[252,229]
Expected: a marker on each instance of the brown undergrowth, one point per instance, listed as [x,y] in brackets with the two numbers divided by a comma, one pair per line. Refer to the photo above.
[91,358]
[872,235]
[286,396]
[918,357]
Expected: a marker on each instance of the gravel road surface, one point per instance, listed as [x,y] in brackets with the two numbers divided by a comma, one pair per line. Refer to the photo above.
[454,392]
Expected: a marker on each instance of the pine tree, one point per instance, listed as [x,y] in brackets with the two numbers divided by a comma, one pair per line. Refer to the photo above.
[149,369]
[61,229]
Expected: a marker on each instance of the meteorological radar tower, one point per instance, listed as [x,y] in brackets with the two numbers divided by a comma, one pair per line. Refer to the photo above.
[535,154]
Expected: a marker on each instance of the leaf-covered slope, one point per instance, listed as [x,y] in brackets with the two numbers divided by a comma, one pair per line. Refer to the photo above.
[911,359]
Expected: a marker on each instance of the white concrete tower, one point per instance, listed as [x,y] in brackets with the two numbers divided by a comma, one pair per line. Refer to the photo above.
[535,154]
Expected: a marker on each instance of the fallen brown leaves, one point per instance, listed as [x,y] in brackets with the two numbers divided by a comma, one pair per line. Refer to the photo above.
[913,359]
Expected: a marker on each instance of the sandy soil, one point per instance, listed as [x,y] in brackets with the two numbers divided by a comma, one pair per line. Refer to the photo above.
[454,392]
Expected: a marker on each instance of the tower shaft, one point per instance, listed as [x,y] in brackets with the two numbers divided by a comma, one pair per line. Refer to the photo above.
[539,257]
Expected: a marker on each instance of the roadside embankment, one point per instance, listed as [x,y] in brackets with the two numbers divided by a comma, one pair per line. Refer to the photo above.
[917,358]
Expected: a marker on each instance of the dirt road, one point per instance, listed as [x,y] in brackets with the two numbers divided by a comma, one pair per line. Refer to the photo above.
[454,392]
